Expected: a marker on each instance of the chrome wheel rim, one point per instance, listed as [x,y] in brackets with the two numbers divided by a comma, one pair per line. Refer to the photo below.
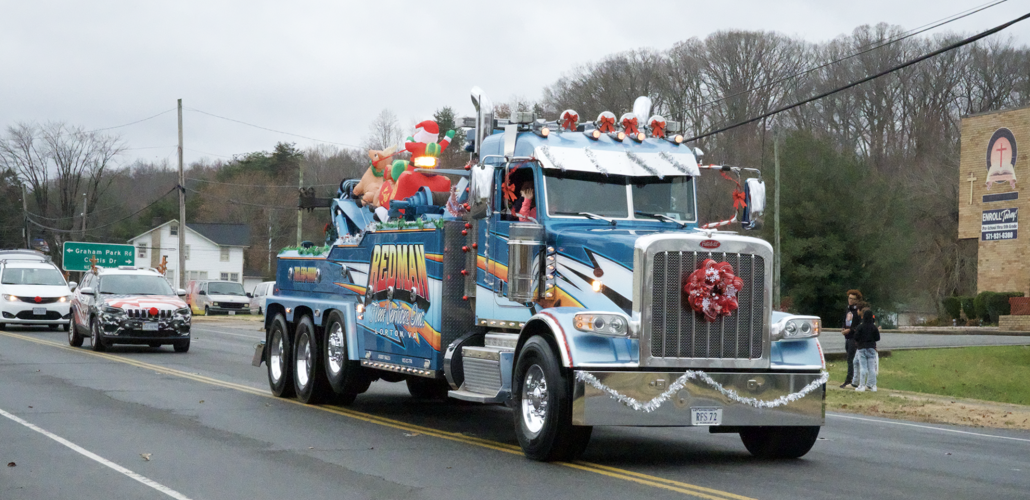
[534,399]
[303,359]
[71,334]
[335,349]
[276,356]
[93,335]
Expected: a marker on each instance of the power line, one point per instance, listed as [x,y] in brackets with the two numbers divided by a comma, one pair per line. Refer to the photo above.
[272,130]
[906,64]
[102,210]
[906,35]
[205,152]
[257,185]
[133,123]
[246,204]
[58,230]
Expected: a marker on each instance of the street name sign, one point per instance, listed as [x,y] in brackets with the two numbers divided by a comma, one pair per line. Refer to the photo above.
[77,255]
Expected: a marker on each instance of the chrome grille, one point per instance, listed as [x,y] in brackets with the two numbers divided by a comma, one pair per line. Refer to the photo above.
[677,332]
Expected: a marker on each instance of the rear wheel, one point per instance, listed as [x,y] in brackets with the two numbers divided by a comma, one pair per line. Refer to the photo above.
[346,377]
[779,442]
[309,378]
[180,345]
[95,338]
[277,345]
[74,337]
[543,406]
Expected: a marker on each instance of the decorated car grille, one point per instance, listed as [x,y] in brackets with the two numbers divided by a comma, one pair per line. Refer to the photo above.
[146,314]
[678,332]
[41,300]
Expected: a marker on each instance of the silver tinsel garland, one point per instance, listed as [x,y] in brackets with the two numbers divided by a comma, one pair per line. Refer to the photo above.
[547,154]
[669,158]
[593,159]
[681,382]
[636,159]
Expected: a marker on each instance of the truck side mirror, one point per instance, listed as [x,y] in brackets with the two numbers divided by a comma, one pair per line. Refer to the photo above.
[754,197]
[72,285]
[482,180]
[86,291]
[180,292]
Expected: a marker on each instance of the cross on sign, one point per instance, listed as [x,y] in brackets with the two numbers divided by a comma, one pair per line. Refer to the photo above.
[1001,152]
[971,179]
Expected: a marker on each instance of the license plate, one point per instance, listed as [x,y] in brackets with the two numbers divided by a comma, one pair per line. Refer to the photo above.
[232,313]
[150,327]
[705,416]
[39,311]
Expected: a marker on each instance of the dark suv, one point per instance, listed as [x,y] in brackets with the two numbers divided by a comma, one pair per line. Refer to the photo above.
[129,306]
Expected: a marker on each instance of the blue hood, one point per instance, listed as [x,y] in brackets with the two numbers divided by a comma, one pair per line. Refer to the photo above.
[576,238]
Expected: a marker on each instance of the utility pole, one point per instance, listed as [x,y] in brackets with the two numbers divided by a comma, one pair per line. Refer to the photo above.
[83,216]
[776,220]
[25,214]
[182,210]
[300,212]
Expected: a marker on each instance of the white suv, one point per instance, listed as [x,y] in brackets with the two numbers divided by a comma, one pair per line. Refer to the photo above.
[32,291]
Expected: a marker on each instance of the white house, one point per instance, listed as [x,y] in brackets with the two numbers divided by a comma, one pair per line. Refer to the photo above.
[213,251]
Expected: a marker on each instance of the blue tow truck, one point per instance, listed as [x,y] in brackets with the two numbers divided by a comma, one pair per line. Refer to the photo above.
[612,306]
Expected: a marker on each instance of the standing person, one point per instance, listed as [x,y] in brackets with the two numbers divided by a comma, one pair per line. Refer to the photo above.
[851,322]
[866,337]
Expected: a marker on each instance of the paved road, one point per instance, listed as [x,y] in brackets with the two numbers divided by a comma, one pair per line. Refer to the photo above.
[833,342]
[210,429]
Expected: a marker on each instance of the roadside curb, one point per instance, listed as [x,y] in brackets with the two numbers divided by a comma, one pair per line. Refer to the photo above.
[959,331]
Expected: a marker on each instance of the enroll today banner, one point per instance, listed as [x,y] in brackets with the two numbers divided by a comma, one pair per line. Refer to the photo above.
[1000,224]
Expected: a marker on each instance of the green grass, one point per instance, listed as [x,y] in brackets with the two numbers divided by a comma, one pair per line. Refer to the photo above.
[997,374]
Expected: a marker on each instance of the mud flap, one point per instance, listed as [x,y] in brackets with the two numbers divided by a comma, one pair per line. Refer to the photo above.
[259,354]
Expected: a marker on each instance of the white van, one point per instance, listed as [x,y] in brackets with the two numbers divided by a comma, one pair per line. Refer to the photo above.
[33,291]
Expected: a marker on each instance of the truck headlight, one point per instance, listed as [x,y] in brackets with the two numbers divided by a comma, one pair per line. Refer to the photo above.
[796,328]
[602,324]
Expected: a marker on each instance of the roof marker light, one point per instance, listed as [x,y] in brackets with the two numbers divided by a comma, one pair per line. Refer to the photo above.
[639,136]
[618,136]
[592,133]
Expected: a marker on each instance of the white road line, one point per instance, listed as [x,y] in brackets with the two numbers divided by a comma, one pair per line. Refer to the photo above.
[101,460]
[892,422]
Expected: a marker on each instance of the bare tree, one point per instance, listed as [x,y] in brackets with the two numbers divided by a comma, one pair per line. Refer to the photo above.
[383,132]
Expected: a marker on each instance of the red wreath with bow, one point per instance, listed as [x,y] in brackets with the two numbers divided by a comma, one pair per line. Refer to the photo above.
[712,289]
[630,126]
[569,120]
[606,124]
[657,129]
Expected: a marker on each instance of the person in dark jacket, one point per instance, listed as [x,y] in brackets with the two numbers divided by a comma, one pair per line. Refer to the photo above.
[851,321]
[866,337]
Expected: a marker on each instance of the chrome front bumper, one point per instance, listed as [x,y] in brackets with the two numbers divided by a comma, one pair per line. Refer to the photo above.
[592,406]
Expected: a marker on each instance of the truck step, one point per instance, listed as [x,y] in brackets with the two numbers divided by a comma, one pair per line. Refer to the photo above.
[476,397]
[505,341]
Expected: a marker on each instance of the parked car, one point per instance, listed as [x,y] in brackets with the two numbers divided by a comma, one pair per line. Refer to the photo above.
[127,305]
[257,299]
[32,290]
[213,296]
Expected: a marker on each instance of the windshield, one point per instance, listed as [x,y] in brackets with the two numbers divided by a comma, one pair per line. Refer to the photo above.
[29,276]
[572,193]
[131,284]
[672,197]
[225,289]
[569,193]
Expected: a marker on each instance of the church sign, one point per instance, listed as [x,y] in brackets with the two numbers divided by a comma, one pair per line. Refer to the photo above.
[1000,224]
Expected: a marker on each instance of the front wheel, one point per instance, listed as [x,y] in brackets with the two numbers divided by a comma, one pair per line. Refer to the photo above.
[277,349]
[309,379]
[180,345]
[779,442]
[543,406]
[95,339]
[74,337]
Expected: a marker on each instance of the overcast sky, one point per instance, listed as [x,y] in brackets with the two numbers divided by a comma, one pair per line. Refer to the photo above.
[324,70]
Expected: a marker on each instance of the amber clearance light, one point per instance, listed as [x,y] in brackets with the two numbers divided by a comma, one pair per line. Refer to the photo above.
[425,162]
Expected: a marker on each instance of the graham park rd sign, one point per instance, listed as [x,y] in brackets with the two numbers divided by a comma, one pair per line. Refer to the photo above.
[77,255]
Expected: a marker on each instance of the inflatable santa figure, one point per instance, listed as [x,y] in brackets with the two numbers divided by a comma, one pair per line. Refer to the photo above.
[424,142]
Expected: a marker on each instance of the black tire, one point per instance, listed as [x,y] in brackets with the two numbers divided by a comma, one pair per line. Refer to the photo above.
[74,337]
[544,423]
[207,312]
[309,378]
[154,344]
[180,345]
[779,442]
[278,358]
[67,326]
[95,338]
[346,377]
[428,388]
[55,327]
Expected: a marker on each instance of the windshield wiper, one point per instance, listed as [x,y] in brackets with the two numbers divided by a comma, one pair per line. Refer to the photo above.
[588,215]
[664,218]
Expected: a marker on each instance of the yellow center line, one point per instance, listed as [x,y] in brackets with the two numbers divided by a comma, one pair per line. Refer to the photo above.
[604,470]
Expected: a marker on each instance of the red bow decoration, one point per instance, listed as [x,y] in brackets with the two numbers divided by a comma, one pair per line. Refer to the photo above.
[606,124]
[739,200]
[509,190]
[712,289]
[657,129]
[569,120]
[630,124]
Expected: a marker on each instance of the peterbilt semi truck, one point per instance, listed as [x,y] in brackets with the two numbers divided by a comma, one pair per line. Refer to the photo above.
[612,305]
